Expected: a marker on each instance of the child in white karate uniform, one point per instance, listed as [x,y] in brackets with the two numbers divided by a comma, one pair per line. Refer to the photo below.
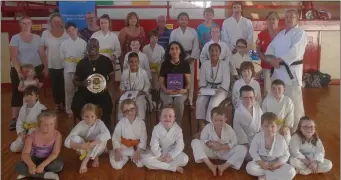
[307,151]
[282,106]
[130,137]
[166,145]
[218,141]
[270,153]
[240,56]
[28,117]
[89,137]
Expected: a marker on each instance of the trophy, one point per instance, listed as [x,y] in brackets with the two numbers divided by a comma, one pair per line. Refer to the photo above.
[96,83]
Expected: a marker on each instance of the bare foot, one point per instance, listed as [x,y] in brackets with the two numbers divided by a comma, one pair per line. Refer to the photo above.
[95,163]
[84,168]
[213,168]
[180,170]
[261,178]
[222,168]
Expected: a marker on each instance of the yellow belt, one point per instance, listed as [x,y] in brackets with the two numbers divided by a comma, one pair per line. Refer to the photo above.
[156,67]
[108,51]
[83,154]
[74,60]
[28,126]
[280,122]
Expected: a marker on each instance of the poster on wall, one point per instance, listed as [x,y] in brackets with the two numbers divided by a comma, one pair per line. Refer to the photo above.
[71,11]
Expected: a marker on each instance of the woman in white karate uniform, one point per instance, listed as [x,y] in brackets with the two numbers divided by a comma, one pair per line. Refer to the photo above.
[166,145]
[135,81]
[307,151]
[89,137]
[270,153]
[218,141]
[214,85]
[130,137]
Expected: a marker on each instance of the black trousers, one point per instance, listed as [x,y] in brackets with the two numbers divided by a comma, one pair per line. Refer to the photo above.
[55,166]
[103,100]
[57,85]
[17,96]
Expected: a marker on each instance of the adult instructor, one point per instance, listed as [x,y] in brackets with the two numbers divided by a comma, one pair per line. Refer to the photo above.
[288,47]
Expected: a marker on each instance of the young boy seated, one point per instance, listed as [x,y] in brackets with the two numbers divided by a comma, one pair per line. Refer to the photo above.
[218,141]
[129,138]
[270,153]
[282,106]
[166,145]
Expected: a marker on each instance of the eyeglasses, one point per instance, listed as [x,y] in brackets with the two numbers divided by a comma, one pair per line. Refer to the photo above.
[308,127]
[247,98]
[129,110]
[242,47]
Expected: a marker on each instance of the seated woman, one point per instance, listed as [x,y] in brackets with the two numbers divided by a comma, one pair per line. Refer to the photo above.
[41,150]
[93,63]
[175,79]
[135,80]
[214,77]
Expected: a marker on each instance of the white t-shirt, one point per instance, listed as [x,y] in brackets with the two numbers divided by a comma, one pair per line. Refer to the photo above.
[53,45]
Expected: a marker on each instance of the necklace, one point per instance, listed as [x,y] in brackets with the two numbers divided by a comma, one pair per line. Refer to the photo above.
[216,73]
[93,65]
[132,86]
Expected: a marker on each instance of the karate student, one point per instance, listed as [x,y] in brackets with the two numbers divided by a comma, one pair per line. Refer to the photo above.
[155,54]
[307,151]
[282,106]
[240,56]
[288,47]
[247,116]
[225,53]
[270,153]
[188,38]
[166,145]
[28,117]
[218,141]
[215,75]
[130,137]
[72,51]
[136,79]
[135,46]
[89,137]
[236,27]
[247,72]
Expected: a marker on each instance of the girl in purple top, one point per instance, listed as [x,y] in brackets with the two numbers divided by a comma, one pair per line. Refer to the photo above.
[41,150]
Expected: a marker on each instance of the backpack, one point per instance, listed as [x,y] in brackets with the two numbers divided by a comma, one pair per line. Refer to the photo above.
[316,79]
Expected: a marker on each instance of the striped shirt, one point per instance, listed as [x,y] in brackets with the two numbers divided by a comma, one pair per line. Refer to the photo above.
[164,37]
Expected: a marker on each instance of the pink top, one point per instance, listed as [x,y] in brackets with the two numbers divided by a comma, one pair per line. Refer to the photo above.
[41,151]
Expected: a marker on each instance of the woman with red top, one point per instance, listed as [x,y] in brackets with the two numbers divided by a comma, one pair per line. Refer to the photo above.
[264,39]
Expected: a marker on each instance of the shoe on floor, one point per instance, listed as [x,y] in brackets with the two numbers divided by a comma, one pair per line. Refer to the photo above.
[21,176]
[13,124]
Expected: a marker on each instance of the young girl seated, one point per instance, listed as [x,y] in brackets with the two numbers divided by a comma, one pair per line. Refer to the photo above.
[307,151]
[89,137]
[130,137]
[135,46]
[29,79]
[218,141]
[282,106]
[134,80]
[28,117]
[270,153]
[248,71]
[41,150]
[166,145]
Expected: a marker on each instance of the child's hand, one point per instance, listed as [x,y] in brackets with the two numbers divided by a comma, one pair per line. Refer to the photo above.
[265,165]
[32,169]
[92,144]
[306,162]
[136,156]
[118,154]
[161,158]
[168,159]
[40,169]
[275,165]
[313,166]
[284,130]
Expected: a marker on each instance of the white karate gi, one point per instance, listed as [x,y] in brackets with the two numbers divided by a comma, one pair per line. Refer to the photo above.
[190,42]
[220,79]
[233,30]
[290,47]
[246,125]
[284,109]
[225,53]
[26,116]
[165,143]
[83,133]
[144,63]
[137,81]
[307,150]
[235,156]
[135,130]
[237,59]
[279,151]
[71,51]
[155,57]
[236,91]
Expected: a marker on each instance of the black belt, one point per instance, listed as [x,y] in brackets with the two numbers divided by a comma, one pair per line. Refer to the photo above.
[214,85]
[287,67]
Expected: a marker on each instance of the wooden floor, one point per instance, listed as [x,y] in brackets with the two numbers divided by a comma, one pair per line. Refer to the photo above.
[321,104]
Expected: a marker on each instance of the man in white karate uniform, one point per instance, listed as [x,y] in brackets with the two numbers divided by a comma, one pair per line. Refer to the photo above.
[236,27]
[130,137]
[188,38]
[72,50]
[218,141]
[288,49]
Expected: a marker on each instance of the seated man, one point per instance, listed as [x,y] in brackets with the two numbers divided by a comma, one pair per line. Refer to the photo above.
[93,63]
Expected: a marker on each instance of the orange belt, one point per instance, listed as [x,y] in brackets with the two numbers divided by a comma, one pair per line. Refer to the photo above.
[129,142]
